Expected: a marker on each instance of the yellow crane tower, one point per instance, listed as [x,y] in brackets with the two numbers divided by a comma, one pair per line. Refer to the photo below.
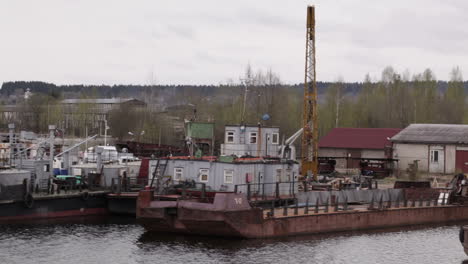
[309,123]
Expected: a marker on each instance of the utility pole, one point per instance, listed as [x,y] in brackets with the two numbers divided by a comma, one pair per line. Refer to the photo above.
[11,130]
[105,132]
[244,101]
[51,152]
[309,164]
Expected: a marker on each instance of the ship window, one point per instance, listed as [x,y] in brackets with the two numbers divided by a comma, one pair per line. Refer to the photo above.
[275,138]
[278,174]
[253,137]
[230,137]
[178,174]
[228,176]
[287,175]
[203,175]
[46,168]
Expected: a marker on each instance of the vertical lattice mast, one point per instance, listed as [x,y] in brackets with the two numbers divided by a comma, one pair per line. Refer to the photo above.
[310,125]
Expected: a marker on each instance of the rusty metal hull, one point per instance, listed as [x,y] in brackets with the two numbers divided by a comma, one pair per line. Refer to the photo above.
[228,219]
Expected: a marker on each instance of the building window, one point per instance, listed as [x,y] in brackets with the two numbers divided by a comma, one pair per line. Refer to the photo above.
[228,176]
[178,174]
[434,156]
[203,175]
[253,138]
[275,138]
[230,137]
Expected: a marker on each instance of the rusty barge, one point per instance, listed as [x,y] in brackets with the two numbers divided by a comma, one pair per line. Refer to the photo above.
[239,214]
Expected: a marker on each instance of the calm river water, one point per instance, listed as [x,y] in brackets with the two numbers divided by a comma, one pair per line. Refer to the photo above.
[123,241]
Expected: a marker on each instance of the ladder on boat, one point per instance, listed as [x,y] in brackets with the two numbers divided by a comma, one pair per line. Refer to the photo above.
[158,172]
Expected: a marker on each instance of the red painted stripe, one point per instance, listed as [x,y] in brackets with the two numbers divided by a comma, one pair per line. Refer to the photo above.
[80,212]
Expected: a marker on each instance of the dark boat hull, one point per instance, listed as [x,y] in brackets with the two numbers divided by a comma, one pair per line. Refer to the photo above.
[122,204]
[43,207]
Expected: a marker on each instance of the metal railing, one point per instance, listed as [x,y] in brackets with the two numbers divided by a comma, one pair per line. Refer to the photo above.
[335,205]
[127,184]
[268,191]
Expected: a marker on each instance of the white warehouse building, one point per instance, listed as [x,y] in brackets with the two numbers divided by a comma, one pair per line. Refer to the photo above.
[438,148]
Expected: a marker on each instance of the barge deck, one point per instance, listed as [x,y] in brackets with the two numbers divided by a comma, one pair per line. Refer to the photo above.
[232,215]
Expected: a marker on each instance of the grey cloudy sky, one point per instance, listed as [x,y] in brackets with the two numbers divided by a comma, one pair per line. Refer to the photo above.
[209,42]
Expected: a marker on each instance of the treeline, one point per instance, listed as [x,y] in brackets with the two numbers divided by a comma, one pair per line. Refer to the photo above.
[397,100]
[150,93]
[394,100]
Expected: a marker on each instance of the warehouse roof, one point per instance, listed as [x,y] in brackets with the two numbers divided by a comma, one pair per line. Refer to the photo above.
[433,133]
[358,138]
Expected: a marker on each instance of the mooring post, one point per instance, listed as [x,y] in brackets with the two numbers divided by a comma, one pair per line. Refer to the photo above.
[203,191]
[326,205]
[413,203]
[405,202]
[397,202]
[316,210]
[428,202]
[235,188]
[272,208]
[443,198]
[436,200]
[119,185]
[389,203]
[345,204]
[183,191]
[277,190]
[337,200]
[285,209]
[296,208]
[371,204]
[263,191]
[420,201]
[306,209]
[381,202]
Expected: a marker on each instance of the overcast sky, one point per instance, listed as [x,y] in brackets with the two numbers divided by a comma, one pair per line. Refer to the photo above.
[209,42]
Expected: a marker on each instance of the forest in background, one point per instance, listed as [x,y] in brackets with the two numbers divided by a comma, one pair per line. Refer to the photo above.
[395,100]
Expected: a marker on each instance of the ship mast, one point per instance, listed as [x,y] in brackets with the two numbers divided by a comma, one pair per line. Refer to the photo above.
[309,122]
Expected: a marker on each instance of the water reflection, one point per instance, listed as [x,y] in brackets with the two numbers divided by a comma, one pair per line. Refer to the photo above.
[119,240]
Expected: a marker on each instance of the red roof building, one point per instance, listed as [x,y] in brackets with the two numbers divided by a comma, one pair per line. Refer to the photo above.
[358,138]
[370,143]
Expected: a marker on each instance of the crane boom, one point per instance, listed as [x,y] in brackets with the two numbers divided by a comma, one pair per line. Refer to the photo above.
[309,123]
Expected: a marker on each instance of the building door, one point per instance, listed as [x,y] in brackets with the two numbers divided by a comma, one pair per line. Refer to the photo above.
[461,160]
[436,159]
[353,160]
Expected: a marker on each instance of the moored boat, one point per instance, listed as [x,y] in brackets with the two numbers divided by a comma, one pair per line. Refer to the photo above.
[238,215]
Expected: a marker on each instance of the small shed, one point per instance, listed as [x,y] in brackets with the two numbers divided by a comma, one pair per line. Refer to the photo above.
[438,148]
[355,144]
[251,140]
